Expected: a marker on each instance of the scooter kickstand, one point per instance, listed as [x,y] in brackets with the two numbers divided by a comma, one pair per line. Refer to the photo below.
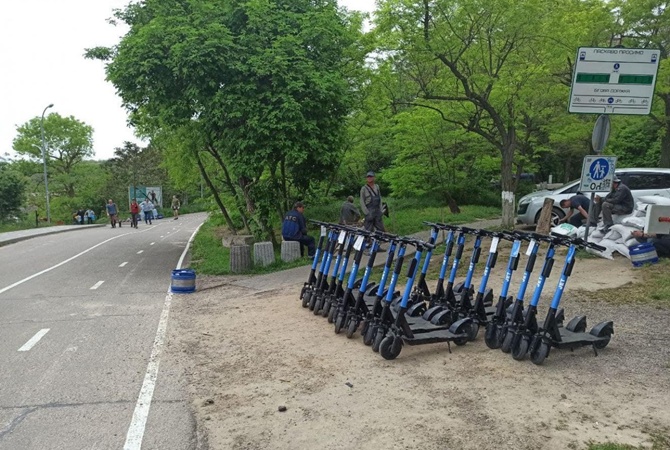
[595,351]
[449,346]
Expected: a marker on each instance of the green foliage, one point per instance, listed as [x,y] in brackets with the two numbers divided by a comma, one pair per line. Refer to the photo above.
[12,190]
[68,142]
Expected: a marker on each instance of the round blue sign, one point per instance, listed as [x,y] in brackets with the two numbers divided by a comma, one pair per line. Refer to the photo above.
[599,169]
[610,100]
[616,66]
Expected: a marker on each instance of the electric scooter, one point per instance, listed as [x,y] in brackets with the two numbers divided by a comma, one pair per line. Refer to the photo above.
[319,278]
[372,318]
[478,312]
[322,278]
[520,324]
[491,337]
[335,285]
[574,334]
[306,290]
[339,310]
[401,332]
[330,303]
[447,301]
[421,293]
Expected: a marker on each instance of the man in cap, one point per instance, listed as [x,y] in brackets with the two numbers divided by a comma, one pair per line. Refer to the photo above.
[618,201]
[371,204]
[579,209]
[294,228]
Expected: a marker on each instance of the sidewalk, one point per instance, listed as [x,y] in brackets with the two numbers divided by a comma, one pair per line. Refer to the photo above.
[15,236]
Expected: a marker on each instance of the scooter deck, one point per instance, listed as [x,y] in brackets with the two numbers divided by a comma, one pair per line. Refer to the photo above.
[433,337]
[571,339]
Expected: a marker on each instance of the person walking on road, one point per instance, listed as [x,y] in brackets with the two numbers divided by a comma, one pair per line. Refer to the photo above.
[113,213]
[371,204]
[134,213]
[176,204]
[294,228]
[618,201]
[91,216]
[148,209]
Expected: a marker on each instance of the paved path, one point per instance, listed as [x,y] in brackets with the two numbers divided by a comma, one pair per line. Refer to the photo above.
[15,236]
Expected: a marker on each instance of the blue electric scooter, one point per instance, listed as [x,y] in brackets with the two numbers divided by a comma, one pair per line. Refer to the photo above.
[312,278]
[574,334]
[402,332]
[335,286]
[322,278]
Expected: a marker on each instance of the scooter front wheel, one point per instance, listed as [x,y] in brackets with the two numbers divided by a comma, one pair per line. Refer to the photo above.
[331,314]
[306,299]
[521,348]
[491,336]
[390,347]
[472,331]
[369,336]
[507,337]
[538,356]
[379,337]
[339,323]
[351,329]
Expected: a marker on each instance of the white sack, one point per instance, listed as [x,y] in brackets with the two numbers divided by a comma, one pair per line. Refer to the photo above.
[566,229]
[622,249]
[624,231]
[610,246]
[634,222]
[631,241]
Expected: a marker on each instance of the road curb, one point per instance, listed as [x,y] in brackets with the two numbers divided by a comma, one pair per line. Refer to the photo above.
[13,239]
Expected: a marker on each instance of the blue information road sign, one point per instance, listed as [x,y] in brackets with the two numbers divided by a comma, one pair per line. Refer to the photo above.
[597,173]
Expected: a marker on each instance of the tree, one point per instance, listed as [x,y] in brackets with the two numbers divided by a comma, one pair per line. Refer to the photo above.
[12,191]
[487,60]
[68,142]
[269,83]
[646,24]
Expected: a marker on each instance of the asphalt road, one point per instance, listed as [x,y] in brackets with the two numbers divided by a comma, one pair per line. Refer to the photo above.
[81,341]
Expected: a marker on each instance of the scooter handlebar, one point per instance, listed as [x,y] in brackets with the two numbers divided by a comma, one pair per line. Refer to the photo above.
[577,242]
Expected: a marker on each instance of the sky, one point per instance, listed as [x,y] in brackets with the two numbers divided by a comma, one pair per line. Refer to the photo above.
[42,43]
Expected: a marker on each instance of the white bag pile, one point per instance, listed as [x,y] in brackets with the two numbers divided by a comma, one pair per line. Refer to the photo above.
[618,238]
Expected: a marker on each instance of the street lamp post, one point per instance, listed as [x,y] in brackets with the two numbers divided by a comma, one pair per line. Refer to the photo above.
[44,161]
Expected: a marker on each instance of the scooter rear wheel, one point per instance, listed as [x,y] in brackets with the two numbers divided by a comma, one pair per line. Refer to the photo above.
[538,356]
[306,299]
[331,314]
[325,308]
[602,344]
[313,301]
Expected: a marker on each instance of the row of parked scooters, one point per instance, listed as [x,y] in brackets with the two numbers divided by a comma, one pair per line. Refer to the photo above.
[387,319]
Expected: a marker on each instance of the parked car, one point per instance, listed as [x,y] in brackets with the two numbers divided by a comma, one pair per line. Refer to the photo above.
[641,182]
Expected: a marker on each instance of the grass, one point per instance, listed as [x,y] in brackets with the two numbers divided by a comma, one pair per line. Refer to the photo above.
[209,257]
[658,441]
[653,287]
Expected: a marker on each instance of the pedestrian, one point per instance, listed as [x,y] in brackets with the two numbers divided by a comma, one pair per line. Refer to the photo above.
[349,214]
[91,216]
[661,242]
[153,198]
[80,213]
[175,207]
[371,204]
[112,212]
[577,202]
[148,209]
[618,201]
[134,213]
[294,228]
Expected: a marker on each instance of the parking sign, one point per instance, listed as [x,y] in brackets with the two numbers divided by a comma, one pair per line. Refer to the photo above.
[597,173]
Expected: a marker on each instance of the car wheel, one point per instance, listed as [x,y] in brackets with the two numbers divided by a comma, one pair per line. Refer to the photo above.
[556,215]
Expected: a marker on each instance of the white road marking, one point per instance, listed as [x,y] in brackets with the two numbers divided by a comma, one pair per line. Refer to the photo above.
[123,264]
[141,251]
[162,236]
[152,243]
[141,413]
[35,275]
[97,285]
[34,340]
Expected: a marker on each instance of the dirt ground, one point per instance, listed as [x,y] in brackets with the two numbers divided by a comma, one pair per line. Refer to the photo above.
[248,347]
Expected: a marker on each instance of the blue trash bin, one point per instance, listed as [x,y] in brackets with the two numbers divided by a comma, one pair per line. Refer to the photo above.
[644,253]
[183,281]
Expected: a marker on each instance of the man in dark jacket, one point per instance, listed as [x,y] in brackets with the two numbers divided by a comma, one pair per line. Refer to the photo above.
[349,214]
[618,201]
[579,203]
[294,228]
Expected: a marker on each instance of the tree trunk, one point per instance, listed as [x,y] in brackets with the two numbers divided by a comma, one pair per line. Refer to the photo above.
[544,224]
[507,182]
[231,187]
[215,193]
[664,160]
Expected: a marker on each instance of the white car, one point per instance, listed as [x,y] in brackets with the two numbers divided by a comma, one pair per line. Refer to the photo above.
[641,182]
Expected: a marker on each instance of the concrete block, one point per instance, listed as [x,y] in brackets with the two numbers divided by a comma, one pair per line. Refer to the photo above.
[264,253]
[290,251]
